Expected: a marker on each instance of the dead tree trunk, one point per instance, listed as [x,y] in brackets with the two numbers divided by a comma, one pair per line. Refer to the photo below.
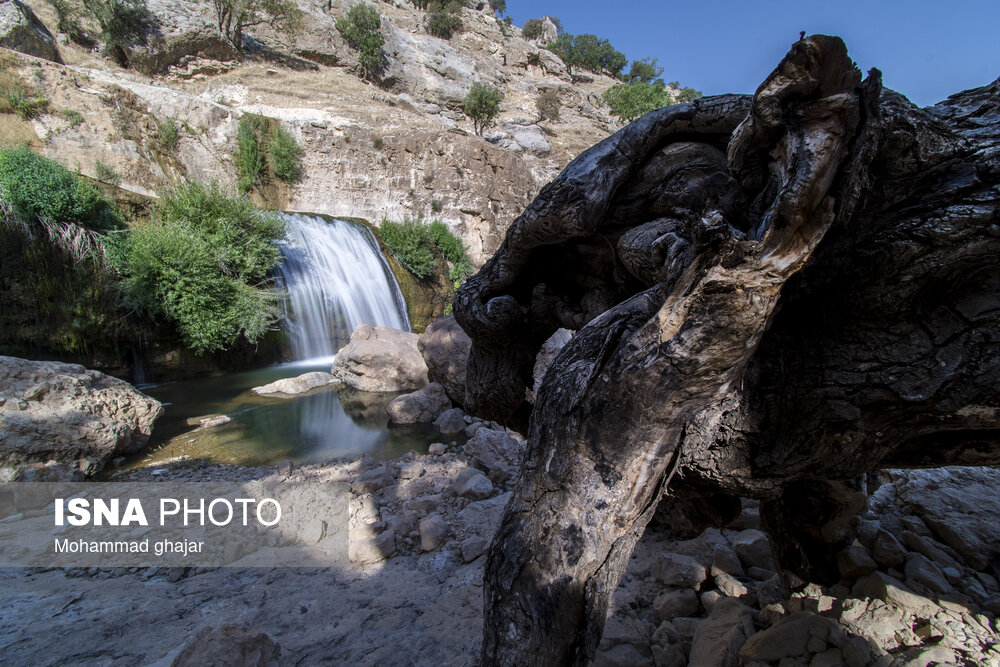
[773,295]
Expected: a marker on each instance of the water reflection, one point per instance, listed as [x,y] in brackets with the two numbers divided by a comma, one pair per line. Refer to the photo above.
[313,428]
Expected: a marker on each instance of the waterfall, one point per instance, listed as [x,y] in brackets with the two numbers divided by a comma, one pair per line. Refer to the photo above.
[336,279]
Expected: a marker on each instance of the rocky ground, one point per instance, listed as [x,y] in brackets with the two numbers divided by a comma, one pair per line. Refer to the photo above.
[919,586]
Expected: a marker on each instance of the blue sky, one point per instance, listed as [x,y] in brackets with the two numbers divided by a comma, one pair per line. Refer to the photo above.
[926,50]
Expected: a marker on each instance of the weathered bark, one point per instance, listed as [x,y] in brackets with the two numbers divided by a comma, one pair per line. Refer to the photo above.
[772,296]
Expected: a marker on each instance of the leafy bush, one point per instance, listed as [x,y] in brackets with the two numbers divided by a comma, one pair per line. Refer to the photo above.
[644,71]
[436,205]
[25,105]
[168,134]
[482,104]
[687,94]
[377,143]
[498,6]
[628,101]
[410,243]
[249,160]
[205,267]
[547,104]
[532,29]
[452,249]
[443,21]
[284,155]
[361,29]
[37,187]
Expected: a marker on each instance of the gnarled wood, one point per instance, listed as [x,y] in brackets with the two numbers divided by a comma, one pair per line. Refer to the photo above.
[772,296]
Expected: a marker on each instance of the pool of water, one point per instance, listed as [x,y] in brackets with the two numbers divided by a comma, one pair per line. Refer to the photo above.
[324,425]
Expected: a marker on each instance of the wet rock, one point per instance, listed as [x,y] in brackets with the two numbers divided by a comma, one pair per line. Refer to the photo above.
[673,603]
[445,349]
[381,359]
[229,644]
[451,421]
[68,414]
[433,531]
[678,570]
[20,30]
[472,483]
[419,407]
[289,387]
[717,641]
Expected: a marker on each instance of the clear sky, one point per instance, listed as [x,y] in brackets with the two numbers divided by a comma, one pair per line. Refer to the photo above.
[926,49]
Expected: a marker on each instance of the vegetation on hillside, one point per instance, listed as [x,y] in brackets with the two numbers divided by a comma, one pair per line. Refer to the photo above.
[588,52]
[442,19]
[482,104]
[265,150]
[361,29]
[643,91]
[124,24]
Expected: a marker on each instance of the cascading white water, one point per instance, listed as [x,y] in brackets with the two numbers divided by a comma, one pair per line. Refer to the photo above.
[336,279]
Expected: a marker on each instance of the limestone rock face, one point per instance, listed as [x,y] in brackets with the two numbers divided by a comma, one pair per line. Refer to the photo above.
[422,406]
[68,414]
[381,359]
[287,387]
[445,348]
[20,30]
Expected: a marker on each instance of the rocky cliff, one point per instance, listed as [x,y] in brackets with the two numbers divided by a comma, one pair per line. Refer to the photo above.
[400,148]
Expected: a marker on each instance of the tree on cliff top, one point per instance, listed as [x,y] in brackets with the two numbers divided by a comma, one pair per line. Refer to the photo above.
[361,29]
[235,16]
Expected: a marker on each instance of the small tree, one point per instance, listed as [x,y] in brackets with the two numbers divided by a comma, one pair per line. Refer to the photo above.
[362,30]
[547,103]
[532,29]
[124,24]
[498,6]
[482,105]
[443,20]
[628,101]
[644,71]
[235,16]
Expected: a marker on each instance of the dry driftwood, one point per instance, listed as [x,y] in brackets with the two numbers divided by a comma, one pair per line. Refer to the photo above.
[773,295]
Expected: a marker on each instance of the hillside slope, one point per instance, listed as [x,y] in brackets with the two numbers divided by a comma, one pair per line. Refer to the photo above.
[403,148]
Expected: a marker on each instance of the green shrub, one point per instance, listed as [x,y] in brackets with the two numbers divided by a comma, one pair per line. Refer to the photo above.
[377,143]
[205,266]
[482,104]
[362,30]
[644,71]
[498,6]
[588,52]
[73,117]
[249,160]
[284,155]
[453,250]
[410,243]
[443,21]
[105,173]
[168,134]
[628,101]
[436,206]
[24,104]
[547,103]
[124,24]
[37,187]
[532,29]
[687,94]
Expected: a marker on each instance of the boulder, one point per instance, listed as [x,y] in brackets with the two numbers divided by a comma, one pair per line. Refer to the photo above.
[229,644]
[433,531]
[381,359]
[451,421]
[420,407]
[472,483]
[51,411]
[529,137]
[679,570]
[288,387]
[671,604]
[718,640]
[496,453]
[445,348]
[20,30]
